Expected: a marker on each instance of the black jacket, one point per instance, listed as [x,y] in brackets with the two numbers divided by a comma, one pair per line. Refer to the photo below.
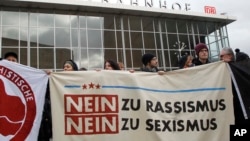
[45,131]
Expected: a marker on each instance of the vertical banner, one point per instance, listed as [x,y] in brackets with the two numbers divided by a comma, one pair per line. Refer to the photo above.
[22,92]
[241,72]
[192,104]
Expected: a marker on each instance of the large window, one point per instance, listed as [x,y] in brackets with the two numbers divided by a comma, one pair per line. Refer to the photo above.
[45,38]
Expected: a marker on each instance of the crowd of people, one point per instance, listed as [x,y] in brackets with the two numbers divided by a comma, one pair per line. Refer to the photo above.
[226,54]
[150,61]
[150,64]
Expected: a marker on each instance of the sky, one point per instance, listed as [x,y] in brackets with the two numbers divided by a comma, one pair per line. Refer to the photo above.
[239,31]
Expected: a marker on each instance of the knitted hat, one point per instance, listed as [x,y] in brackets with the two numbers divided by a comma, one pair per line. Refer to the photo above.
[72,63]
[240,56]
[199,47]
[146,58]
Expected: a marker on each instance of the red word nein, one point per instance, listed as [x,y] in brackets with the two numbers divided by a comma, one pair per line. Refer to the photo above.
[91,114]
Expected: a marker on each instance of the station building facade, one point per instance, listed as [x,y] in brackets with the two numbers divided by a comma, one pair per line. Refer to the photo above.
[44,34]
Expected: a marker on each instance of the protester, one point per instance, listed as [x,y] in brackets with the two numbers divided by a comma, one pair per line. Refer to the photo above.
[150,63]
[35,81]
[45,132]
[240,56]
[227,55]
[111,65]
[185,61]
[11,56]
[241,79]
[121,65]
[70,65]
[201,51]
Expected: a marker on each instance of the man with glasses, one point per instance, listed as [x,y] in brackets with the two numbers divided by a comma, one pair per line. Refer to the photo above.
[201,51]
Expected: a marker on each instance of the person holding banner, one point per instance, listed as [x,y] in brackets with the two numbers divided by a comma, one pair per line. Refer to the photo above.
[239,97]
[185,61]
[150,63]
[201,51]
[227,55]
[70,65]
[45,131]
[121,65]
[21,99]
[11,56]
[111,65]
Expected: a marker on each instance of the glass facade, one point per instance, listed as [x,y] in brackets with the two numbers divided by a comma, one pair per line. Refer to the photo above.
[44,39]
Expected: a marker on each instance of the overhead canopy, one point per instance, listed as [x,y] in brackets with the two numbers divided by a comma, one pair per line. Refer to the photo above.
[88,6]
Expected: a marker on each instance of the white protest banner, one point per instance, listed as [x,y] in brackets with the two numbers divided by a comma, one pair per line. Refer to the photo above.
[192,104]
[22,93]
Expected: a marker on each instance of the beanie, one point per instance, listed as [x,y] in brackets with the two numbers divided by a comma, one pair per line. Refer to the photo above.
[240,56]
[147,58]
[199,47]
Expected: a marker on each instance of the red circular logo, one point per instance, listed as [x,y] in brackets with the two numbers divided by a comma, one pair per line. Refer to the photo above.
[16,117]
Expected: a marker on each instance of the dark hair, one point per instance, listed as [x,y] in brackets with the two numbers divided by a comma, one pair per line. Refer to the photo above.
[8,54]
[146,58]
[113,64]
[72,63]
[82,69]
[183,61]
